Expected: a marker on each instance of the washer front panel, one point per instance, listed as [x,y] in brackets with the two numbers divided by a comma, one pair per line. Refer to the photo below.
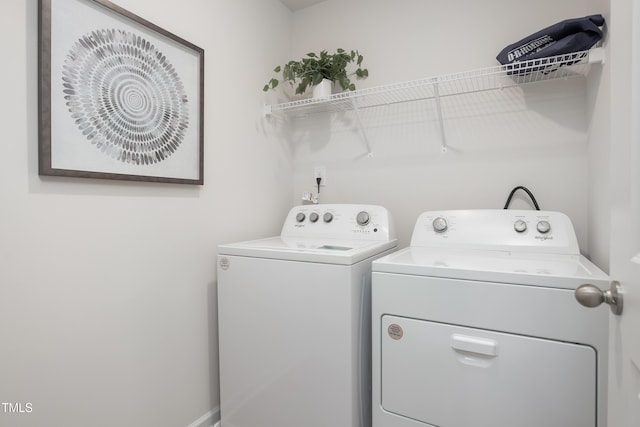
[291,338]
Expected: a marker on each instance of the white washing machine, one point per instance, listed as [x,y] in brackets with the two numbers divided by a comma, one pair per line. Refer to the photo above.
[295,319]
[476,325]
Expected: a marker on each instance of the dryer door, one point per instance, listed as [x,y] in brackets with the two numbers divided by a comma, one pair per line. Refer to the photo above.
[452,376]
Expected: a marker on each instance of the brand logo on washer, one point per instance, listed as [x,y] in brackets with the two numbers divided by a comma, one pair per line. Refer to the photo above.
[395,331]
[224,263]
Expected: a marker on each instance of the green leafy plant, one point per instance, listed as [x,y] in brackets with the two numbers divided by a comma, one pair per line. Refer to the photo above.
[310,70]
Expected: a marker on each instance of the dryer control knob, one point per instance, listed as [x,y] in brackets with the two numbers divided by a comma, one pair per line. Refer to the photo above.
[327,217]
[440,225]
[544,227]
[520,226]
[363,218]
[300,217]
[313,217]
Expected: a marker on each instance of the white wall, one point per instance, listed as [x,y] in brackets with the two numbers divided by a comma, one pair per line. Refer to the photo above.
[599,118]
[107,289]
[536,136]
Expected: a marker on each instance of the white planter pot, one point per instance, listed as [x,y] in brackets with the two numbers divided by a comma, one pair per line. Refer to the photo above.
[323,89]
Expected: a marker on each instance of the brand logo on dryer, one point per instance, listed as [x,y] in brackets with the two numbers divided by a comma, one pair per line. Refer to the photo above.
[543,238]
[395,331]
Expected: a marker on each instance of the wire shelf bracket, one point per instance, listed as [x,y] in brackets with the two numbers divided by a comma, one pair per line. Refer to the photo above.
[436,96]
[363,132]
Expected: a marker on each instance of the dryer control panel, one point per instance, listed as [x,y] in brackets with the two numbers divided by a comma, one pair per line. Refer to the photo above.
[339,221]
[498,229]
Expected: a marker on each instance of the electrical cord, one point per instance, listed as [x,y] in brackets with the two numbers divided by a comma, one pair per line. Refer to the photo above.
[526,190]
[318,180]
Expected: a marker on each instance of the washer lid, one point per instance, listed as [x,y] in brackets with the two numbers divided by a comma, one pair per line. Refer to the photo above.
[535,269]
[326,251]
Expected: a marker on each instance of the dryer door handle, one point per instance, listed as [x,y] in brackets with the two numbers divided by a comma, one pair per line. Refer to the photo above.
[476,345]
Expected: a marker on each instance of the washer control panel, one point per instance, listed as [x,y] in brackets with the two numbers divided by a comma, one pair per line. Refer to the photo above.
[339,221]
[499,229]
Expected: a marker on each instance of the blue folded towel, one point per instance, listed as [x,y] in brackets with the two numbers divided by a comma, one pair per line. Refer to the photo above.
[568,36]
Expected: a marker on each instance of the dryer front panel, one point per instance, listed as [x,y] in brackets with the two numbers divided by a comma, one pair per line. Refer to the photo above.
[451,376]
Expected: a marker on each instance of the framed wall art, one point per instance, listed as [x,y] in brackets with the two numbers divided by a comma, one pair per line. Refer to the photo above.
[119,97]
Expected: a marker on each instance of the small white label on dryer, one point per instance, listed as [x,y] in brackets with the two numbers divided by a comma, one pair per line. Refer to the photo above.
[395,331]
[224,263]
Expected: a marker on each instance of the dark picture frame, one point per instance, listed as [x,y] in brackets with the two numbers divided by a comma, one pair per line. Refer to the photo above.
[119,97]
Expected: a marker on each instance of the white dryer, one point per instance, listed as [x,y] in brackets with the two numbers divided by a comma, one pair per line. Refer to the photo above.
[476,325]
[295,319]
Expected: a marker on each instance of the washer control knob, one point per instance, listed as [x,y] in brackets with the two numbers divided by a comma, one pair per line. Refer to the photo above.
[300,217]
[544,227]
[520,226]
[327,217]
[363,218]
[313,217]
[440,225]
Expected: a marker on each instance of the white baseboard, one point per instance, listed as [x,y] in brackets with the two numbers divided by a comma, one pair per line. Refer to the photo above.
[210,419]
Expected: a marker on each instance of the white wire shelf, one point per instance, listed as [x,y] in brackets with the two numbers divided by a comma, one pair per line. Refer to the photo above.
[566,66]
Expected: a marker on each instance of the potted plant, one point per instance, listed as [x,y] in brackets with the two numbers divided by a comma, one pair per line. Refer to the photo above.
[314,68]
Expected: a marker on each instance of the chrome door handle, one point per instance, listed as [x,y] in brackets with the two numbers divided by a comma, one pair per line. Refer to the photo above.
[592,296]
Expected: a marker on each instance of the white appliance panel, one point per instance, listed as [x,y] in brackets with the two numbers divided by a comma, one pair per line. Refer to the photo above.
[452,376]
[339,221]
[284,339]
[528,310]
[500,283]
[324,251]
[495,229]
[294,318]
[550,270]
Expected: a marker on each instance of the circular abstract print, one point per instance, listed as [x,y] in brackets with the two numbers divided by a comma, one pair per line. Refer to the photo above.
[125,97]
